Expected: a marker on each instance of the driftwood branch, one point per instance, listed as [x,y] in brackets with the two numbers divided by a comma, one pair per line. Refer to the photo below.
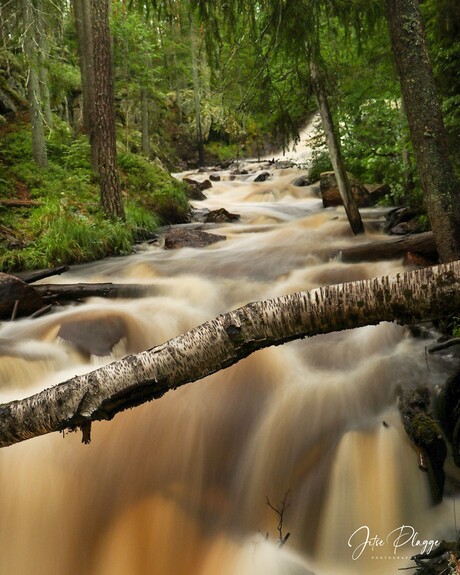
[223,341]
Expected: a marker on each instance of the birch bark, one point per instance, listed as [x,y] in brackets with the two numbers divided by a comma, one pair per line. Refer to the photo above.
[421,294]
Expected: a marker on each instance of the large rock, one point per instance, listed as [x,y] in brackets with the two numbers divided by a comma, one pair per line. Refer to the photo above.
[94,336]
[195,189]
[301,181]
[184,238]
[262,177]
[377,192]
[17,298]
[221,216]
[402,221]
[331,195]
[364,194]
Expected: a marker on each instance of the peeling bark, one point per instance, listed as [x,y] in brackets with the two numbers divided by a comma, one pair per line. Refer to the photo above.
[223,341]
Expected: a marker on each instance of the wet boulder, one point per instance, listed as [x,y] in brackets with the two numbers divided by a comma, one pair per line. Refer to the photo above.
[94,336]
[377,192]
[262,177]
[401,221]
[195,189]
[415,261]
[220,216]
[17,298]
[214,177]
[301,181]
[186,238]
[331,195]
[425,433]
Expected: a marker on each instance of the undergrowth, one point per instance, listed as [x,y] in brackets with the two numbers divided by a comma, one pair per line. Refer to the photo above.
[68,225]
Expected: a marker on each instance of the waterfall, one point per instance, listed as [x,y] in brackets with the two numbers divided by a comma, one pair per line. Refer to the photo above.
[189,484]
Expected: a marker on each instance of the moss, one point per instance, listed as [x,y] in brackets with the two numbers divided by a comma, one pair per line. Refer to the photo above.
[426,430]
[68,226]
[161,193]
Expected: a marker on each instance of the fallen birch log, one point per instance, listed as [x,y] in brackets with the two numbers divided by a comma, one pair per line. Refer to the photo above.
[405,298]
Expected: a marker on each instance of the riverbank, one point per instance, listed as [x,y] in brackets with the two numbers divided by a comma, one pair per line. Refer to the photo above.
[52,216]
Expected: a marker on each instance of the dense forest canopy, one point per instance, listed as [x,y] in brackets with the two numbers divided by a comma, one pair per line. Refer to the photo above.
[203,82]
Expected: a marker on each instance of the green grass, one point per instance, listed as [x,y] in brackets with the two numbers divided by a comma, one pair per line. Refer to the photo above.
[69,226]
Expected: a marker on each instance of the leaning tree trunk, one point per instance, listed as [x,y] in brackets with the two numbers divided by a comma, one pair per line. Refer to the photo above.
[335,152]
[33,86]
[104,132]
[437,177]
[223,341]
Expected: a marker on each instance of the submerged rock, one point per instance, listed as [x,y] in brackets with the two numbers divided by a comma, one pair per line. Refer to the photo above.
[331,195]
[94,336]
[262,177]
[220,216]
[184,238]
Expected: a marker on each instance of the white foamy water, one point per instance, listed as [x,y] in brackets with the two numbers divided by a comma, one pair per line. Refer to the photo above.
[180,486]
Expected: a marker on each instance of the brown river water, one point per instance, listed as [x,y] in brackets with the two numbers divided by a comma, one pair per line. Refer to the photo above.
[179,486]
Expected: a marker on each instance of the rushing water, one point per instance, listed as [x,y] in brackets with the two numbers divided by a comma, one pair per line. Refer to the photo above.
[180,486]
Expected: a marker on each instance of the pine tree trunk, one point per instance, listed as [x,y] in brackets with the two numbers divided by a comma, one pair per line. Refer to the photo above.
[104,132]
[82,13]
[33,86]
[422,294]
[335,152]
[196,93]
[439,183]
[42,64]
[145,143]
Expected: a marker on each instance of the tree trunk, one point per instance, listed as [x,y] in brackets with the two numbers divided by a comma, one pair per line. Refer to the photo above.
[145,145]
[223,341]
[33,86]
[104,112]
[82,14]
[393,248]
[409,184]
[335,152]
[196,93]
[42,64]
[439,183]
